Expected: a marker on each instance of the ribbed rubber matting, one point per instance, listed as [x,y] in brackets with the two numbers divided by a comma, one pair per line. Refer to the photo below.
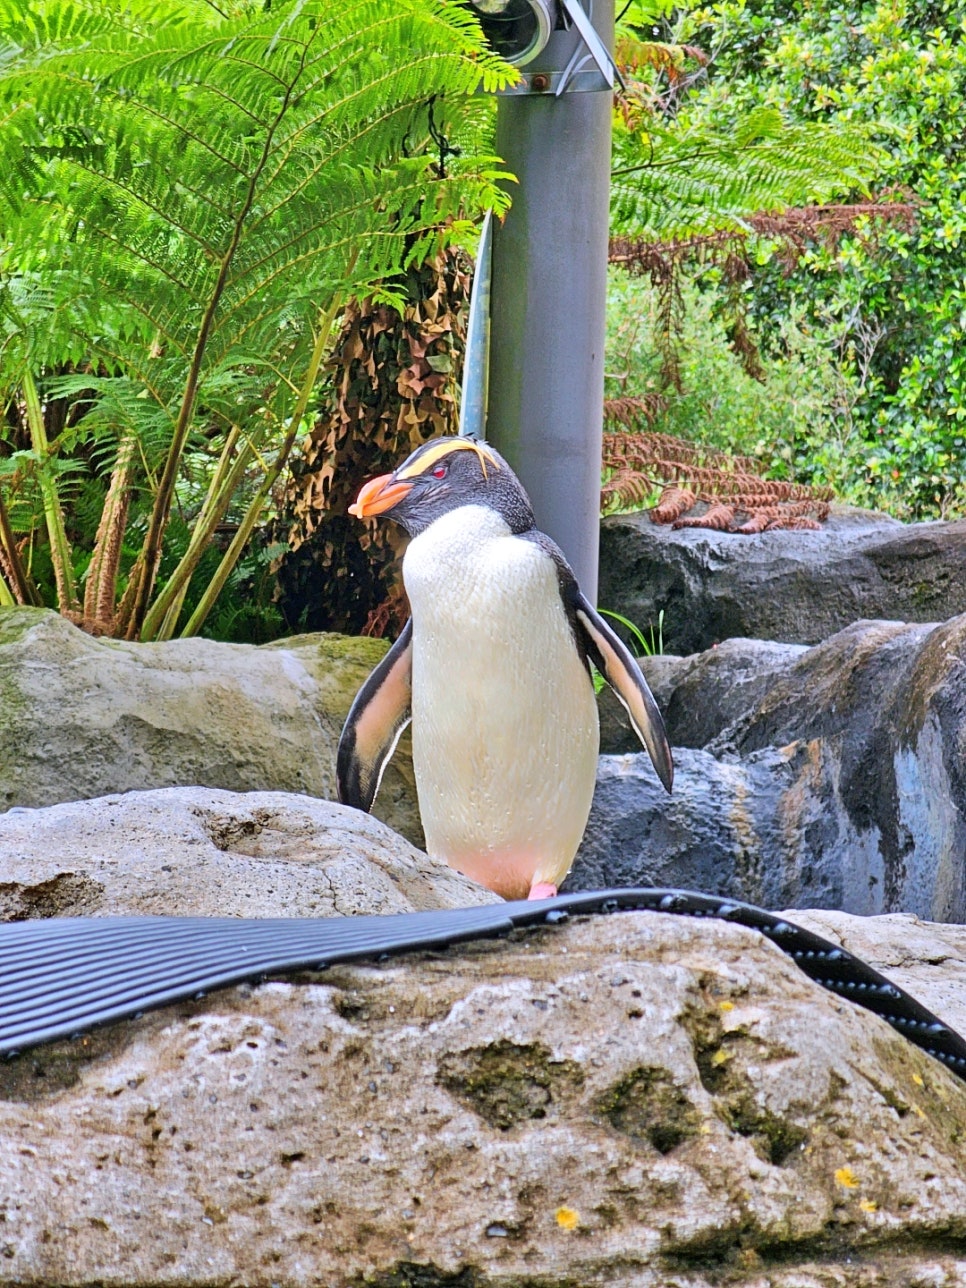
[63,976]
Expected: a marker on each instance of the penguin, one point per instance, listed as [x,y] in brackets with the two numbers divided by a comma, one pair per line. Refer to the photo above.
[493,670]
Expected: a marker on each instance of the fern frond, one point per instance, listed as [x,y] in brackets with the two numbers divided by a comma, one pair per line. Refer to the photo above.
[304,172]
[673,182]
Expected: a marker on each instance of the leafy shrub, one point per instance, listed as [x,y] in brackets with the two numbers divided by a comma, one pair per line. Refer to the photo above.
[894,308]
[801,423]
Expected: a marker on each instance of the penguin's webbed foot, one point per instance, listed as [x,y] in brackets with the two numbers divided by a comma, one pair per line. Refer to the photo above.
[542,890]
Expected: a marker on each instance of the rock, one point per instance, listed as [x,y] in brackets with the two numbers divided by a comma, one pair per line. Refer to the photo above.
[833,777]
[721,832]
[794,587]
[701,694]
[928,961]
[209,853]
[634,1101]
[83,717]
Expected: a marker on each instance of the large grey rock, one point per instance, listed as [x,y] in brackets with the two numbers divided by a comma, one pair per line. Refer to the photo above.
[833,777]
[209,853]
[701,694]
[83,717]
[637,1101]
[721,832]
[795,587]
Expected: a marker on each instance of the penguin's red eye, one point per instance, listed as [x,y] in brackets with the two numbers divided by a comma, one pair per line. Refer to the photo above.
[439,471]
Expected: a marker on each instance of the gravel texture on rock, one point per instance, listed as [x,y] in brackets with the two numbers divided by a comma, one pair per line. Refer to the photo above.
[640,1100]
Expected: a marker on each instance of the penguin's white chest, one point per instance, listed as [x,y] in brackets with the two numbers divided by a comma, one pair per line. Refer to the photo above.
[505,733]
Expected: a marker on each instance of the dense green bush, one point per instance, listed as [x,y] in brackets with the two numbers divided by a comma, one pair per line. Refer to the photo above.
[800,424]
[892,303]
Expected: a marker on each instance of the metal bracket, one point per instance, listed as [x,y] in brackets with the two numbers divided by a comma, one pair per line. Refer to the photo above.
[574,60]
[599,51]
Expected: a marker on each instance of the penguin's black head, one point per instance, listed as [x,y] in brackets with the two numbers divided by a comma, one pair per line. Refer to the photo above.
[440,476]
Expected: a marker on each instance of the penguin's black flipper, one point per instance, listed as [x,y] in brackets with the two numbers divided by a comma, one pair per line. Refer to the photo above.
[615,663]
[376,719]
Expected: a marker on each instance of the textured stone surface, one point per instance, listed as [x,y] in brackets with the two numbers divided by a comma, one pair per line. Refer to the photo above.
[642,1101]
[83,717]
[211,853]
[796,587]
[720,832]
[926,959]
[833,776]
[701,694]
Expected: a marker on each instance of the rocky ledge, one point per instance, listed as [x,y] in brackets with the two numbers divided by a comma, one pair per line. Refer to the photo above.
[796,587]
[202,852]
[634,1101]
[82,717]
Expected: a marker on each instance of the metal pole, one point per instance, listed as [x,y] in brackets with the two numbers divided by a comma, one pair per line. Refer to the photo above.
[546,387]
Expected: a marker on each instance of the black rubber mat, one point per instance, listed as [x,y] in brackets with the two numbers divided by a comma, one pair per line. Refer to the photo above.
[62,976]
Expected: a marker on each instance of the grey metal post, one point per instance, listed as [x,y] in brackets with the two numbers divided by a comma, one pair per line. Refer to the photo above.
[546,385]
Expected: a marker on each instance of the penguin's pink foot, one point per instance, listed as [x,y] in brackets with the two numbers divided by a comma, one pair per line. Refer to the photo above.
[542,890]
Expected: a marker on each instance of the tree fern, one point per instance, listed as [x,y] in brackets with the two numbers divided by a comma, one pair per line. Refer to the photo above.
[672,181]
[207,184]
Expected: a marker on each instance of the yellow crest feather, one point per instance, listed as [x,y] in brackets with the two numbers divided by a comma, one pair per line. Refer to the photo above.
[435,451]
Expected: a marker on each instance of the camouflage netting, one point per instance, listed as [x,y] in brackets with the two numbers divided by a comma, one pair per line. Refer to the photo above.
[391,386]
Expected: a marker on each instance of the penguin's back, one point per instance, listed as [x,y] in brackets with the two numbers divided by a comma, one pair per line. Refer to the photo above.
[505,732]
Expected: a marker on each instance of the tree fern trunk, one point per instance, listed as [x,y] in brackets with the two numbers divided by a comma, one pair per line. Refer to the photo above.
[60,553]
[101,591]
[162,618]
[254,511]
[19,581]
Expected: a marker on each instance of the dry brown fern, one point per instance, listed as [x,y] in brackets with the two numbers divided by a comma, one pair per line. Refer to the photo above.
[704,487]
[625,488]
[629,412]
[800,524]
[718,516]
[646,447]
[674,502]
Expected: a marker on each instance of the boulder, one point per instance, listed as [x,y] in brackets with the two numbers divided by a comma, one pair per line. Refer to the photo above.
[829,777]
[636,1101]
[701,694]
[83,717]
[211,853]
[793,587]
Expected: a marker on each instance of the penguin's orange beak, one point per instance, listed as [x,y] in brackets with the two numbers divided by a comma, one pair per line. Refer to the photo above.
[378,495]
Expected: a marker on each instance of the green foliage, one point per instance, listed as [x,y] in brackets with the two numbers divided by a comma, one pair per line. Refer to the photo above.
[800,423]
[893,305]
[676,178]
[679,174]
[641,645]
[194,191]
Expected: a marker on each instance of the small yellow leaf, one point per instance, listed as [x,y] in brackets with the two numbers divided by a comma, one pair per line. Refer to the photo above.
[567,1218]
[918,1079]
[726,1006]
[846,1177]
[868,1205]
[721,1056]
